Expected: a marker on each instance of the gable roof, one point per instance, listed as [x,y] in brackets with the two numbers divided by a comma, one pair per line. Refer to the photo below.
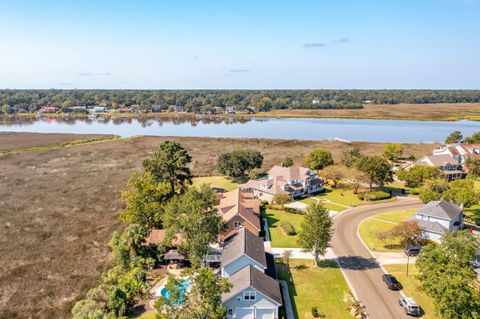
[440,209]
[254,278]
[289,173]
[244,243]
[440,160]
[238,202]
[157,237]
[278,176]
[428,225]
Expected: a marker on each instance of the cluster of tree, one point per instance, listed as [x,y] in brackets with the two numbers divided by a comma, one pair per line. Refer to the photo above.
[159,197]
[239,163]
[417,175]
[447,275]
[204,100]
[318,159]
[457,137]
[461,192]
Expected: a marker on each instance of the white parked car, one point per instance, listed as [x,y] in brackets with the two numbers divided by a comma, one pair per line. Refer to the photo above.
[410,306]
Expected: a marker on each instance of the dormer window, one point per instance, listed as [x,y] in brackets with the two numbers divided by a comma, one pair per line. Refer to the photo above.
[249,295]
[237,224]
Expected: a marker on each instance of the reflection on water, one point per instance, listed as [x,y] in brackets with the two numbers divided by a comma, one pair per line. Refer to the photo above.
[245,127]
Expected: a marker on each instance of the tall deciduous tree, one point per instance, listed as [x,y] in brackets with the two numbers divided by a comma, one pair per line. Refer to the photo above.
[318,159]
[316,231]
[170,164]
[417,175]
[447,275]
[393,151]
[433,189]
[473,165]
[376,169]
[454,137]
[144,200]
[239,163]
[349,158]
[287,162]
[333,174]
[195,217]
[462,192]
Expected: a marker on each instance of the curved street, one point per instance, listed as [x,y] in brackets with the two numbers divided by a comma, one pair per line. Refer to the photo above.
[362,271]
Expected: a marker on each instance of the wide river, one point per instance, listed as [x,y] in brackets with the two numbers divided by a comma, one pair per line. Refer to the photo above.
[281,128]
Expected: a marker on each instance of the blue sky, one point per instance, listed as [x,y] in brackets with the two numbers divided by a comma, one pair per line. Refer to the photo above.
[240,44]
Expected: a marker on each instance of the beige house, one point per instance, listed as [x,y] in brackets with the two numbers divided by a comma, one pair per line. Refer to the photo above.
[239,209]
[296,181]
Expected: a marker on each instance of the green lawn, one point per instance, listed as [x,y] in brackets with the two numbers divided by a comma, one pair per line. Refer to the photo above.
[341,196]
[412,288]
[309,287]
[371,226]
[471,213]
[329,206]
[216,181]
[277,237]
[146,315]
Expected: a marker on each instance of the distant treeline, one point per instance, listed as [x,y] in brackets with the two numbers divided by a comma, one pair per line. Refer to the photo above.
[205,100]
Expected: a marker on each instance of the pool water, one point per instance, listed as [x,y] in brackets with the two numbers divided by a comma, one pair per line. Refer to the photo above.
[183,287]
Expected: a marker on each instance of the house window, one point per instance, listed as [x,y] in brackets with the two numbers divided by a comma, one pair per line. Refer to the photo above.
[237,224]
[230,311]
[249,295]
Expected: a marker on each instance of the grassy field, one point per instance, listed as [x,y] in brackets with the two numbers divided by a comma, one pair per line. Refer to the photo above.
[20,141]
[412,288]
[216,181]
[371,226]
[440,111]
[309,287]
[65,201]
[278,238]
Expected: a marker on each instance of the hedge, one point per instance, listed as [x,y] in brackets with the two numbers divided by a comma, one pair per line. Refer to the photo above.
[287,228]
[376,195]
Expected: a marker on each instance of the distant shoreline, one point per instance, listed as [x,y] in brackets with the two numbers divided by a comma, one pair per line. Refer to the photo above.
[402,112]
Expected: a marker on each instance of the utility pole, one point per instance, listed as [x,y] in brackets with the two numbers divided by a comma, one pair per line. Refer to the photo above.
[408,261]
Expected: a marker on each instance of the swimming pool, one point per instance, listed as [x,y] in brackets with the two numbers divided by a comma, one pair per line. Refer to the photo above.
[183,287]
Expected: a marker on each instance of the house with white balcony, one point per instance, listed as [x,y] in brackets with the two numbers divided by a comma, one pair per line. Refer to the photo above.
[255,292]
[449,165]
[296,181]
[460,152]
[438,217]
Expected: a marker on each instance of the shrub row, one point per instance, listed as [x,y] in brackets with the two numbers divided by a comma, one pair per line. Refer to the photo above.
[376,195]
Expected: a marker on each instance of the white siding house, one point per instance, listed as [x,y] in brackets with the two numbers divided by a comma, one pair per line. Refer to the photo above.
[438,217]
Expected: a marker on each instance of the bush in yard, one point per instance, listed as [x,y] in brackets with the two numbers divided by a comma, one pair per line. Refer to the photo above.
[287,228]
[316,313]
[282,199]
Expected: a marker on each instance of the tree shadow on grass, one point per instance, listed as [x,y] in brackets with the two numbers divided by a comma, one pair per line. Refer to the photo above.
[357,263]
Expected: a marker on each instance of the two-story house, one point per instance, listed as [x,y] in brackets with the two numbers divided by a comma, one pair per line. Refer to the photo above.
[296,181]
[255,292]
[459,151]
[239,209]
[451,167]
[438,217]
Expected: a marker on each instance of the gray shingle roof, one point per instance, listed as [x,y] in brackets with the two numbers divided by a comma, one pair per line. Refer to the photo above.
[441,209]
[256,279]
[244,243]
[430,226]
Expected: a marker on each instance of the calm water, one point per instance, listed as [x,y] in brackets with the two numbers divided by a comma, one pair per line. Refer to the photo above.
[285,128]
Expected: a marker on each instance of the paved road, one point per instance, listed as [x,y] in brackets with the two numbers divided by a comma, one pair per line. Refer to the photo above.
[361,270]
